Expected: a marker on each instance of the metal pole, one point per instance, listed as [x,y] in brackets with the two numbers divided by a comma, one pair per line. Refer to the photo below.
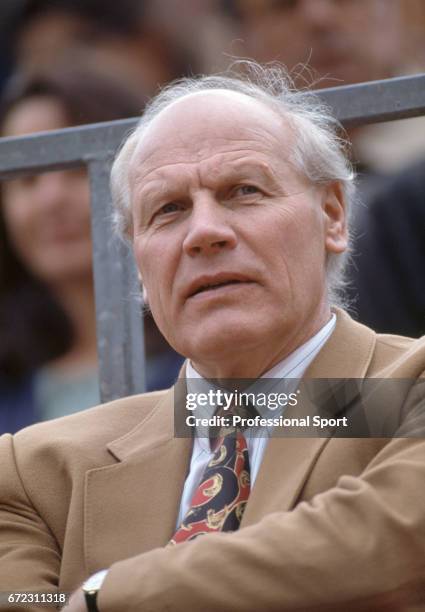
[118,311]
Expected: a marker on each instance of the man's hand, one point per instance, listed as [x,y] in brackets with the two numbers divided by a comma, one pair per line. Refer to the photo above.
[77,602]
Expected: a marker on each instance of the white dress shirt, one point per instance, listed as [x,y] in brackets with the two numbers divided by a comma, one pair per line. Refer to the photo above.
[292,369]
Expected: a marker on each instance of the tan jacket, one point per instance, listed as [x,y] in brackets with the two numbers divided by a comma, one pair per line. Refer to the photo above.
[331,524]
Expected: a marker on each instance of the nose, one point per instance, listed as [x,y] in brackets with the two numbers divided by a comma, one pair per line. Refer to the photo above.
[51,190]
[210,230]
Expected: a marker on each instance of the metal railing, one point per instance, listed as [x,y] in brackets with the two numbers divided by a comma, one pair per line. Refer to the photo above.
[119,323]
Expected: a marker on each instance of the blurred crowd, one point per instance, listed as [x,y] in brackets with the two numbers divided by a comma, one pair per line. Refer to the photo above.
[69,62]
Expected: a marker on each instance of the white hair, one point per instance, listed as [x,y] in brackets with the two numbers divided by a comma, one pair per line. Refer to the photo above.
[320,151]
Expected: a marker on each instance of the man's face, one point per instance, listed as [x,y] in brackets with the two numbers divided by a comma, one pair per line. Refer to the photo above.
[231,242]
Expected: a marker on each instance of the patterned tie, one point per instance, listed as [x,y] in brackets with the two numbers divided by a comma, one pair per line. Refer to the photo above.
[219,501]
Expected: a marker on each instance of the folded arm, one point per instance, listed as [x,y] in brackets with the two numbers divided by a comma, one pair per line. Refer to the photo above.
[360,544]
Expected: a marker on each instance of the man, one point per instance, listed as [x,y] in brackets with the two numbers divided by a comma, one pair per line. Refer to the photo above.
[235,197]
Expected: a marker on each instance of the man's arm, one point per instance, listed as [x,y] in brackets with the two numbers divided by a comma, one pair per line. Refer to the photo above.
[29,555]
[361,543]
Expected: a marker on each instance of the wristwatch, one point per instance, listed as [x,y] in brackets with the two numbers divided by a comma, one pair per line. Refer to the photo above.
[91,588]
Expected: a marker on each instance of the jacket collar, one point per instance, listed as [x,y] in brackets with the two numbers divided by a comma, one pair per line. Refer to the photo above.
[347,353]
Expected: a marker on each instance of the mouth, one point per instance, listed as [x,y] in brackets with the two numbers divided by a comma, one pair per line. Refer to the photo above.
[216,283]
[215,286]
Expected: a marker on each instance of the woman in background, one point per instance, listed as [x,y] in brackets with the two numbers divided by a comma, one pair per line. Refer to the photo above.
[48,364]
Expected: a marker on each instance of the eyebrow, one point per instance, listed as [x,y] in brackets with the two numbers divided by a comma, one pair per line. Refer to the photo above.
[261,169]
[245,169]
[254,168]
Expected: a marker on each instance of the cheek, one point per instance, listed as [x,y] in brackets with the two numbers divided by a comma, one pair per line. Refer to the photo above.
[295,230]
[299,247]
[81,198]
[18,218]
[154,266]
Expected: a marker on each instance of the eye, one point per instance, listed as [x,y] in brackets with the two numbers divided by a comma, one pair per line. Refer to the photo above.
[167,212]
[170,207]
[245,190]
[26,181]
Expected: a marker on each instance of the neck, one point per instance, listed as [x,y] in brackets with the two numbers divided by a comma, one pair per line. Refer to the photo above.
[76,296]
[254,361]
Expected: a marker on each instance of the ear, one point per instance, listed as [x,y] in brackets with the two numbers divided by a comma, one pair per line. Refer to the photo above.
[335,218]
[143,288]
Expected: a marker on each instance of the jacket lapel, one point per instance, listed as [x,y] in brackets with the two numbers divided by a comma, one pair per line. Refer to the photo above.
[289,461]
[131,506]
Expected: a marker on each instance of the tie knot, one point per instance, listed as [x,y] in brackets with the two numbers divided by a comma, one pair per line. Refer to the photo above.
[227,428]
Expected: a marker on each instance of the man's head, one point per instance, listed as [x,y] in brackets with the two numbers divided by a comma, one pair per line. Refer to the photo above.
[245,188]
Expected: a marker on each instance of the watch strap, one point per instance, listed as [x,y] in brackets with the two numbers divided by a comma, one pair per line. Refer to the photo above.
[91,600]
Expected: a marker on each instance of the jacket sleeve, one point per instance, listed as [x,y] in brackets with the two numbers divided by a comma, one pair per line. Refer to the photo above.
[358,546]
[29,555]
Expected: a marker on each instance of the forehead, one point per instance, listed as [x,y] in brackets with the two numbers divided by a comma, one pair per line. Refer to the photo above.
[37,113]
[206,125]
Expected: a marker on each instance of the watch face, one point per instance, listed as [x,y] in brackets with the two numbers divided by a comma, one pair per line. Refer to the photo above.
[94,582]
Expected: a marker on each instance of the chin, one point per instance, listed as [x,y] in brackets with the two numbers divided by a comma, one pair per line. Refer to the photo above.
[211,342]
[64,273]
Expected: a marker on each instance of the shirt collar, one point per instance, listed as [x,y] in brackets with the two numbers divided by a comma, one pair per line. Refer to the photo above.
[291,368]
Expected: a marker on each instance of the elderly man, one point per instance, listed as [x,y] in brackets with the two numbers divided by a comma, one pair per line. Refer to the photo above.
[235,197]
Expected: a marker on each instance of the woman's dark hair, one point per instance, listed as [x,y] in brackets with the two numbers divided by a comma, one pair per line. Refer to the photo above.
[102,19]
[34,329]
[123,17]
